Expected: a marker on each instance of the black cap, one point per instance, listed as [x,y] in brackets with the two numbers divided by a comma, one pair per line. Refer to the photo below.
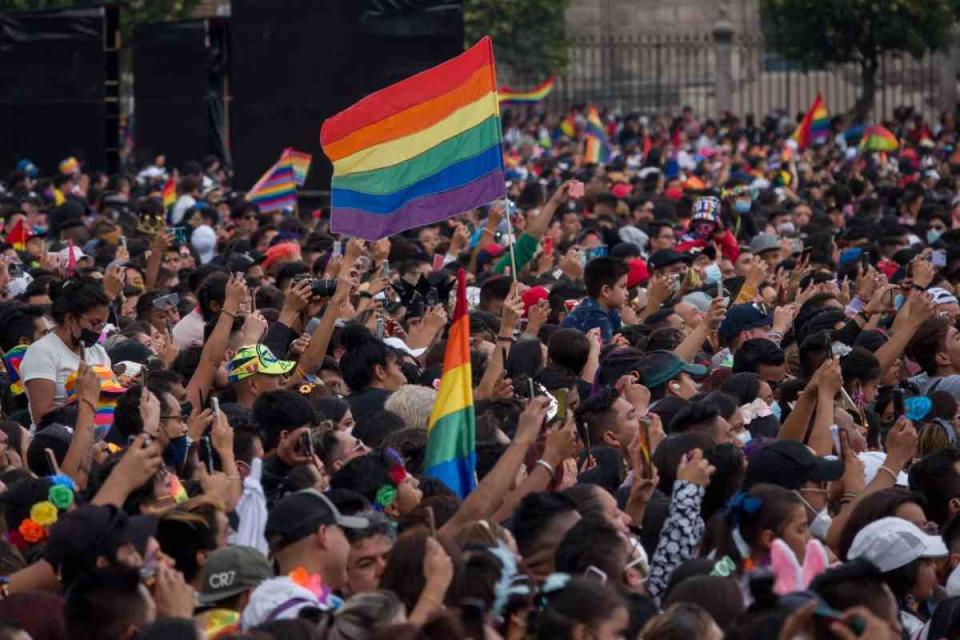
[300,514]
[789,464]
[665,258]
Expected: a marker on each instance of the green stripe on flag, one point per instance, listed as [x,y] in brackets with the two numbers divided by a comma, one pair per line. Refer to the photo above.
[452,436]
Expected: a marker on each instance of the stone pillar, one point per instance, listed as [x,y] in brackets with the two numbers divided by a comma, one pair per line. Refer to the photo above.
[723,73]
[947,65]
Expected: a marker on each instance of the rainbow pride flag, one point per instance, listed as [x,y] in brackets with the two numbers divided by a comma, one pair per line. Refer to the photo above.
[568,127]
[878,138]
[417,152]
[451,454]
[509,96]
[596,143]
[11,363]
[301,165]
[815,126]
[277,189]
[169,193]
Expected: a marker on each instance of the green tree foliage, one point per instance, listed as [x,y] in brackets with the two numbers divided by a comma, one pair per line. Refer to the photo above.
[529,36]
[815,33]
[132,13]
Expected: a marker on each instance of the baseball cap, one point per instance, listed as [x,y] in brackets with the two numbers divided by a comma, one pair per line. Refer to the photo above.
[230,571]
[941,296]
[254,359]
[638,272]
[660,367]
[665,258]
[300,514]
[764,242]
[277,599]
[743,317]
[891,543]
[789,464]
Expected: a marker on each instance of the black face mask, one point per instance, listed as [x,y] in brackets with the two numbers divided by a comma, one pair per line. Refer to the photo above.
[88,338]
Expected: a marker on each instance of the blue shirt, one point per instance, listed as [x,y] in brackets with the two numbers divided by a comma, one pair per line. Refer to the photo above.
[589,314]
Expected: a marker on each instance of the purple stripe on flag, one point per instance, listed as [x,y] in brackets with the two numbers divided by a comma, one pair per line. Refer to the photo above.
[420,211]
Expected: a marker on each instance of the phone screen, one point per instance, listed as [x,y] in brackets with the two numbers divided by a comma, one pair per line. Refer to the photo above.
[561,396]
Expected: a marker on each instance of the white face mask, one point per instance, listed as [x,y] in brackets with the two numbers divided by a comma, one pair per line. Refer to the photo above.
[821,522]
[744,437]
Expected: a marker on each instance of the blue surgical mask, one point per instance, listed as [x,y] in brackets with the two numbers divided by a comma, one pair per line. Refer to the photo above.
[742,206]
[744,437]
[777,411]
[40,229]
[933,235]
[898,301]
[712,274]
[175,453]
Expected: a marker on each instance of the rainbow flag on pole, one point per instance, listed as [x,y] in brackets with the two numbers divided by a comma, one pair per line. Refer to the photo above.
[451,431]
[18,236]
[420,151]
[815,125]
[538,93]
[596,143]
[877,138]
[301,165]
[169,194]
[277,189]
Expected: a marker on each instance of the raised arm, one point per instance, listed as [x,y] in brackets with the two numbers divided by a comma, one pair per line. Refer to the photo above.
[213,350]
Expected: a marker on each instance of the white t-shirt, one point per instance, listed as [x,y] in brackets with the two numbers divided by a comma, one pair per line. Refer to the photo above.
[180,207]
[49,359]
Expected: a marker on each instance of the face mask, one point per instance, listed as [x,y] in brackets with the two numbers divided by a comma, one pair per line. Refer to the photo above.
[712,274]
[88,338]
[742,206]
[821,523]
[786,228]
[40,230]
[744,437]
[175,453]
[933,235]
[777,411]
[898,301]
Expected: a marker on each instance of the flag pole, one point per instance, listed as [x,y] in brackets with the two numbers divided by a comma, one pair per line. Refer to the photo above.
[513,259]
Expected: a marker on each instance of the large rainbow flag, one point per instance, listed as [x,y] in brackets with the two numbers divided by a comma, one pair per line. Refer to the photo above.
[878,138]
[511,96]
[301,165]
[596,143]
[422,150]
[451,454]
[277,189]
[815,125]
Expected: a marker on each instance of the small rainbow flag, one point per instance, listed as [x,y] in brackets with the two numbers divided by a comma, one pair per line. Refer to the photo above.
[568,127]
[596,143]
[69,166]
[815,125]
[451,454]
[169,193]
[301,165]
[18,236]
[878,138]
[533,96]
[11,362]
[277,189]
[417,152]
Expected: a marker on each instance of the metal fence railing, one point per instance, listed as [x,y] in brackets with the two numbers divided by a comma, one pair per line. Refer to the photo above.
[656,73]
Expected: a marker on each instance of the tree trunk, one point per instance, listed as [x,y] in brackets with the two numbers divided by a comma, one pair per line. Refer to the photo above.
[868,89]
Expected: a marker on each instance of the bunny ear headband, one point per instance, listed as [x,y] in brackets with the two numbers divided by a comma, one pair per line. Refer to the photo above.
[789,576]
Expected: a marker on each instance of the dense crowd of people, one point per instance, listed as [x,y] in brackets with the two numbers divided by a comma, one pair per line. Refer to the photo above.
[716,389]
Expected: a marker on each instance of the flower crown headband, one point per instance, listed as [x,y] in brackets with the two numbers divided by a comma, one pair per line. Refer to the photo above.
[44,514]
[387,493]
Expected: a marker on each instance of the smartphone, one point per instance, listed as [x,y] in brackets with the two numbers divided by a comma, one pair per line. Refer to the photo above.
[306,443]
[719,288]
[380,326]
[576,189]
[898,403]
[645,445]
[432,299]
[385,269]
[531,388]
[123,241]
[675,282]
[865,260]
[828,345]
[337,249]
[835,436]
[561,396]
[437,262]
[208,450]
[938,258]
[585,435]
[823,610]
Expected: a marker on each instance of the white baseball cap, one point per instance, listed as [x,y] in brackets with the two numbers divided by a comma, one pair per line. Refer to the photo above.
[941,296]
[277,599]
[891,543]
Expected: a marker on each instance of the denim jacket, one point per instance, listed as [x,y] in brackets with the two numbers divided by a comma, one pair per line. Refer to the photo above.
[589,314]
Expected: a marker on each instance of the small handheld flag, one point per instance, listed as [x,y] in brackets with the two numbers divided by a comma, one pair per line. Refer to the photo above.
[169,193]
[451,454]
[18,236]
[596,143]
[420,151]
[301,165]
[815,125]
[508,96]
[277,189]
